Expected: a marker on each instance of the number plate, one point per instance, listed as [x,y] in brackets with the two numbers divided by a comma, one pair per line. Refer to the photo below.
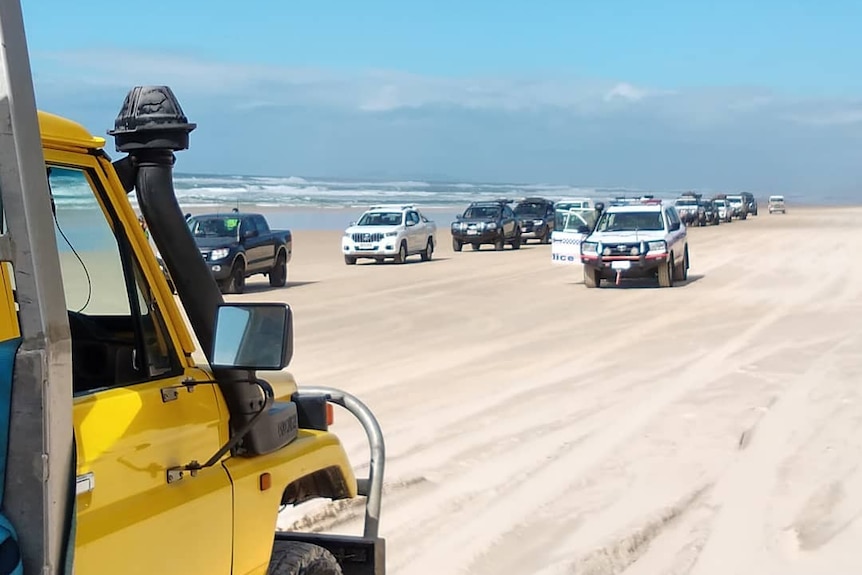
[472,232]
[366,246]
[622,265]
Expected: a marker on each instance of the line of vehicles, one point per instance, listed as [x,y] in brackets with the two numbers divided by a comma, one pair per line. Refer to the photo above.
[646,237]
[399,231]
[237,245]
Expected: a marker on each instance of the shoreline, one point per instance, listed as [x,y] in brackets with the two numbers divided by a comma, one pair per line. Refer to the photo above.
[338,218]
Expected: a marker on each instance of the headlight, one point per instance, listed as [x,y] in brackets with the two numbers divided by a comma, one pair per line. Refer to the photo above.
[391,234]
[659,246]
[589,247]
[538,222]
[491,226]
[219,254]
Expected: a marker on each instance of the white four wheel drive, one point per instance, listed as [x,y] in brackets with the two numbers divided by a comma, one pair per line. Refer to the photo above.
[642,240]
[389,231]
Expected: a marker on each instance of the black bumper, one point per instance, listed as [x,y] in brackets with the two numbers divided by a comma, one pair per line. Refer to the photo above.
[479,238]
[356,555]
[223,272]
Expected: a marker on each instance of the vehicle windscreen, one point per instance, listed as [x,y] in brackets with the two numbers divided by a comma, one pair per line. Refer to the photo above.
[718,203]
[213,227]
[482,212]
[737,200]
[686,202]
[530,209]
[380,219]
[630,222]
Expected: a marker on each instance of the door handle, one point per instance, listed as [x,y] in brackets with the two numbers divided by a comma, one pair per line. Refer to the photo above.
[85,483]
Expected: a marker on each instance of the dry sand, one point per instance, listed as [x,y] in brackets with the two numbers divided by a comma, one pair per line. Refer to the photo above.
[537,427]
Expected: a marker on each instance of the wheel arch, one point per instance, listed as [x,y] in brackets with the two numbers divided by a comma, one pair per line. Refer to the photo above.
[326,483]
[313,466]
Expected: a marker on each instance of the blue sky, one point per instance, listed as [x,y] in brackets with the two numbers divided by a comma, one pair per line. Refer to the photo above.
[652,94]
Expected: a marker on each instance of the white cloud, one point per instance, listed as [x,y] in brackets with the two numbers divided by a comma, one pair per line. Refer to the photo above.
[250,86]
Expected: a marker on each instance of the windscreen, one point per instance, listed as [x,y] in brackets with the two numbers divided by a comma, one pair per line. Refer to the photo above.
[380,219]
[213,227]
[630,221]
[530,209]
[484,212]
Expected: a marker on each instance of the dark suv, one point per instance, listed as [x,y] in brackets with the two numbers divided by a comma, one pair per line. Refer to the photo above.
[537,219]
[489,222]
[751,202]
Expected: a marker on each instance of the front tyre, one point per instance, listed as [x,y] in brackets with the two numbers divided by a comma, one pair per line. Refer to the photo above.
[592,278]
[235,284]
[298,558]
[516,241]
[402,253]
[666,273]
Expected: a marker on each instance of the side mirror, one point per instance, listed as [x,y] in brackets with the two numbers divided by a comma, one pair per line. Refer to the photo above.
[583,229]
[674,226]
[409,223]
[253,336]
[249,234]
[459,216]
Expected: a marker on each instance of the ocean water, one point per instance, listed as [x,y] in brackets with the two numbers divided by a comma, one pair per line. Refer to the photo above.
[202,190]
[224,191]
[305,203]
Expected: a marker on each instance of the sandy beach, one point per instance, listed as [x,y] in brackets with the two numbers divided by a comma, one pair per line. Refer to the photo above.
[534,426]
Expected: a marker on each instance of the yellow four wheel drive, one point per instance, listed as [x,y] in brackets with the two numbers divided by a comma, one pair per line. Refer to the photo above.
[124,455]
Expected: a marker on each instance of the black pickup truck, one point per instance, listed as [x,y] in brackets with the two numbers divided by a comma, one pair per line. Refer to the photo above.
[238,245]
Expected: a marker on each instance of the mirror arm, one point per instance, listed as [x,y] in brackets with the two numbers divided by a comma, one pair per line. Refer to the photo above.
[193,466]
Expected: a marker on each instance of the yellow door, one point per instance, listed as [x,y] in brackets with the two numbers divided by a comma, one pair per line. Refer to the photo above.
[133,420]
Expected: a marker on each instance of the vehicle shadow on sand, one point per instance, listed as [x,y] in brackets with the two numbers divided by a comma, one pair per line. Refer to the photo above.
[643,283]
[484,249]
[263,286]
[410,261]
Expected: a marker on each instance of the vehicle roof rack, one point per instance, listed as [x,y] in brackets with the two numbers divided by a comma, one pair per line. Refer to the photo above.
[488,202]
[393,207]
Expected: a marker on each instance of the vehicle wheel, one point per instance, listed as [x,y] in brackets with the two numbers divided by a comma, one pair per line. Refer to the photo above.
[429,251]
[680,272]
[456,245]
[666,273]
[402,254]
[516,242]
[592,279]
[350,260]
[278,274]
[475,247]
[499,244]
[298,558]
[236,282]
[546,239]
